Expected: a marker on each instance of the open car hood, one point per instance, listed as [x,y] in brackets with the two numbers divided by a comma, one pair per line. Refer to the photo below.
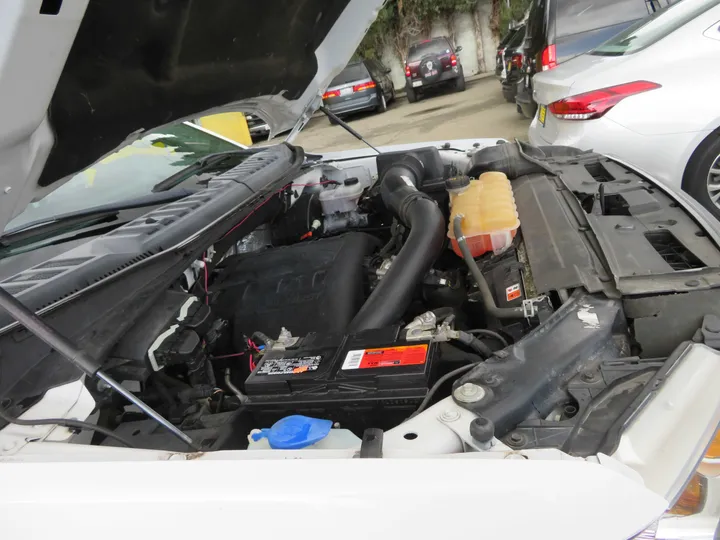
[80,78]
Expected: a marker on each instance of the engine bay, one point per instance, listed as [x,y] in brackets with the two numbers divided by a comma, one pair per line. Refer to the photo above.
[529,285]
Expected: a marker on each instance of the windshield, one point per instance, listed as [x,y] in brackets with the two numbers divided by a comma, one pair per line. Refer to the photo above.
[353,72]
[434,46]
[129,173]
[578,16]
[653,29]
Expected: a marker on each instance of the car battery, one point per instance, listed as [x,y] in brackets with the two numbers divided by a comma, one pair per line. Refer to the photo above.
[374,374]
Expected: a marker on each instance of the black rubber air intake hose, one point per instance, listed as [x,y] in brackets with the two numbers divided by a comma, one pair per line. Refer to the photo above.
[390,299]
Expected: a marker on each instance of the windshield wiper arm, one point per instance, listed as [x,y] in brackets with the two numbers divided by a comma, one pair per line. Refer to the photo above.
[202,164]
[86,217]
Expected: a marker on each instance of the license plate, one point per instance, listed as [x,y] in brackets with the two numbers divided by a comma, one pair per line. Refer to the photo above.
[542,115]
[417,83]
[509,66]
[346,91]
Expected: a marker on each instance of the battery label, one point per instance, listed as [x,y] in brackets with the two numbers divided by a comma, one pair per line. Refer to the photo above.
[513,292]
[290,366]
[409,355]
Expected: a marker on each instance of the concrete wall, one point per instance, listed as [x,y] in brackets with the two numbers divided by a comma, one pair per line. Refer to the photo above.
[464,27]
[393,62]
[470,30]
[486,41]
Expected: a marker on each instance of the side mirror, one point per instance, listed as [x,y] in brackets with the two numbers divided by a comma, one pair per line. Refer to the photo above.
[388,71]
[458,48]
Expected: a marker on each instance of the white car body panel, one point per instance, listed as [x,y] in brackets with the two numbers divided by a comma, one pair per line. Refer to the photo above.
[657,131]
[438,478]
[325,499]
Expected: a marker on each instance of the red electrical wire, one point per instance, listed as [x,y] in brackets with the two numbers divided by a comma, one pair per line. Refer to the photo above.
[229,355]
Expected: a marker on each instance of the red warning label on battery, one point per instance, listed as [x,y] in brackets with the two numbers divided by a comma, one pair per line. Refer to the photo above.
[409,355]
[513,292]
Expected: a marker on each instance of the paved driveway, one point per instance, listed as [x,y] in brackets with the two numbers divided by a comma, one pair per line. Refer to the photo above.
[480,111]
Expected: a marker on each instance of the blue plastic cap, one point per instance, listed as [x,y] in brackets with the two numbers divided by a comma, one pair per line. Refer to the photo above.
[295,432]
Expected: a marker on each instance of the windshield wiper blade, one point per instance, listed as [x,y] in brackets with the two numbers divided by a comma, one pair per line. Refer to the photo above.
[85,217]
[202,164]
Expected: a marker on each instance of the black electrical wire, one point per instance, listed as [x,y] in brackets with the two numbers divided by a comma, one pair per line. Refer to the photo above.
[66,422]
[491,334]
[474,343]
[435,387]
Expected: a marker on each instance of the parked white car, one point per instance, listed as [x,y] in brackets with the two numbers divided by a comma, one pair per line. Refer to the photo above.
[649,97]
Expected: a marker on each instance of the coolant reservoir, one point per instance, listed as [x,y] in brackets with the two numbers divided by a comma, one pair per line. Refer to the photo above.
[490,218]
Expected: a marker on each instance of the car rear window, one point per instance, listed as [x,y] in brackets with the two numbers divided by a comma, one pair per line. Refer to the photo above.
[353,72]
[651,30]
[507,38]
[434,46]
[578,16]
[517,39]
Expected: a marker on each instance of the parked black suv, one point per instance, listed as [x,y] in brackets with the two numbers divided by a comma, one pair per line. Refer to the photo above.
[512,73]
[430,63]
[558,30]
[512,39]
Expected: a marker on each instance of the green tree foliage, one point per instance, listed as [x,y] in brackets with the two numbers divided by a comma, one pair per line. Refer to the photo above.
[400,22]
[514,10]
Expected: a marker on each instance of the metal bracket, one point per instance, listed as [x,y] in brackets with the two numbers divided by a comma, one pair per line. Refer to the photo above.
[529,306]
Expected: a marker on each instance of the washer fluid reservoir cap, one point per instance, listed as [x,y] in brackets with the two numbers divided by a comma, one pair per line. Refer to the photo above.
[295,432]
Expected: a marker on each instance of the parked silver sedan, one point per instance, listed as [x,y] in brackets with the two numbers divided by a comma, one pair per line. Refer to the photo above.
[646,97]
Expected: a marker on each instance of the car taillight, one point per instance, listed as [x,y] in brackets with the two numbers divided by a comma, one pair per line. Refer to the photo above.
[331,94]
[517,60]
[453,60]
[549,58]
[364,86]
[596,103]
[407,70]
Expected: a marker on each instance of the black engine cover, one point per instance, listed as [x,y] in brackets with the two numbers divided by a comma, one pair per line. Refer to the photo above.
[314,286]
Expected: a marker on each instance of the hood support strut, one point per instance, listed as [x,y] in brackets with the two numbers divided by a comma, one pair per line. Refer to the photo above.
[35,325]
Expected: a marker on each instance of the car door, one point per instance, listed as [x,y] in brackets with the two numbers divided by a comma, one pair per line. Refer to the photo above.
[378,76]
[535,39]
[387,81]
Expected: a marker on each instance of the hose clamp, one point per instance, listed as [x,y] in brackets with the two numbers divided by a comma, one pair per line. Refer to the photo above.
[462,237]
